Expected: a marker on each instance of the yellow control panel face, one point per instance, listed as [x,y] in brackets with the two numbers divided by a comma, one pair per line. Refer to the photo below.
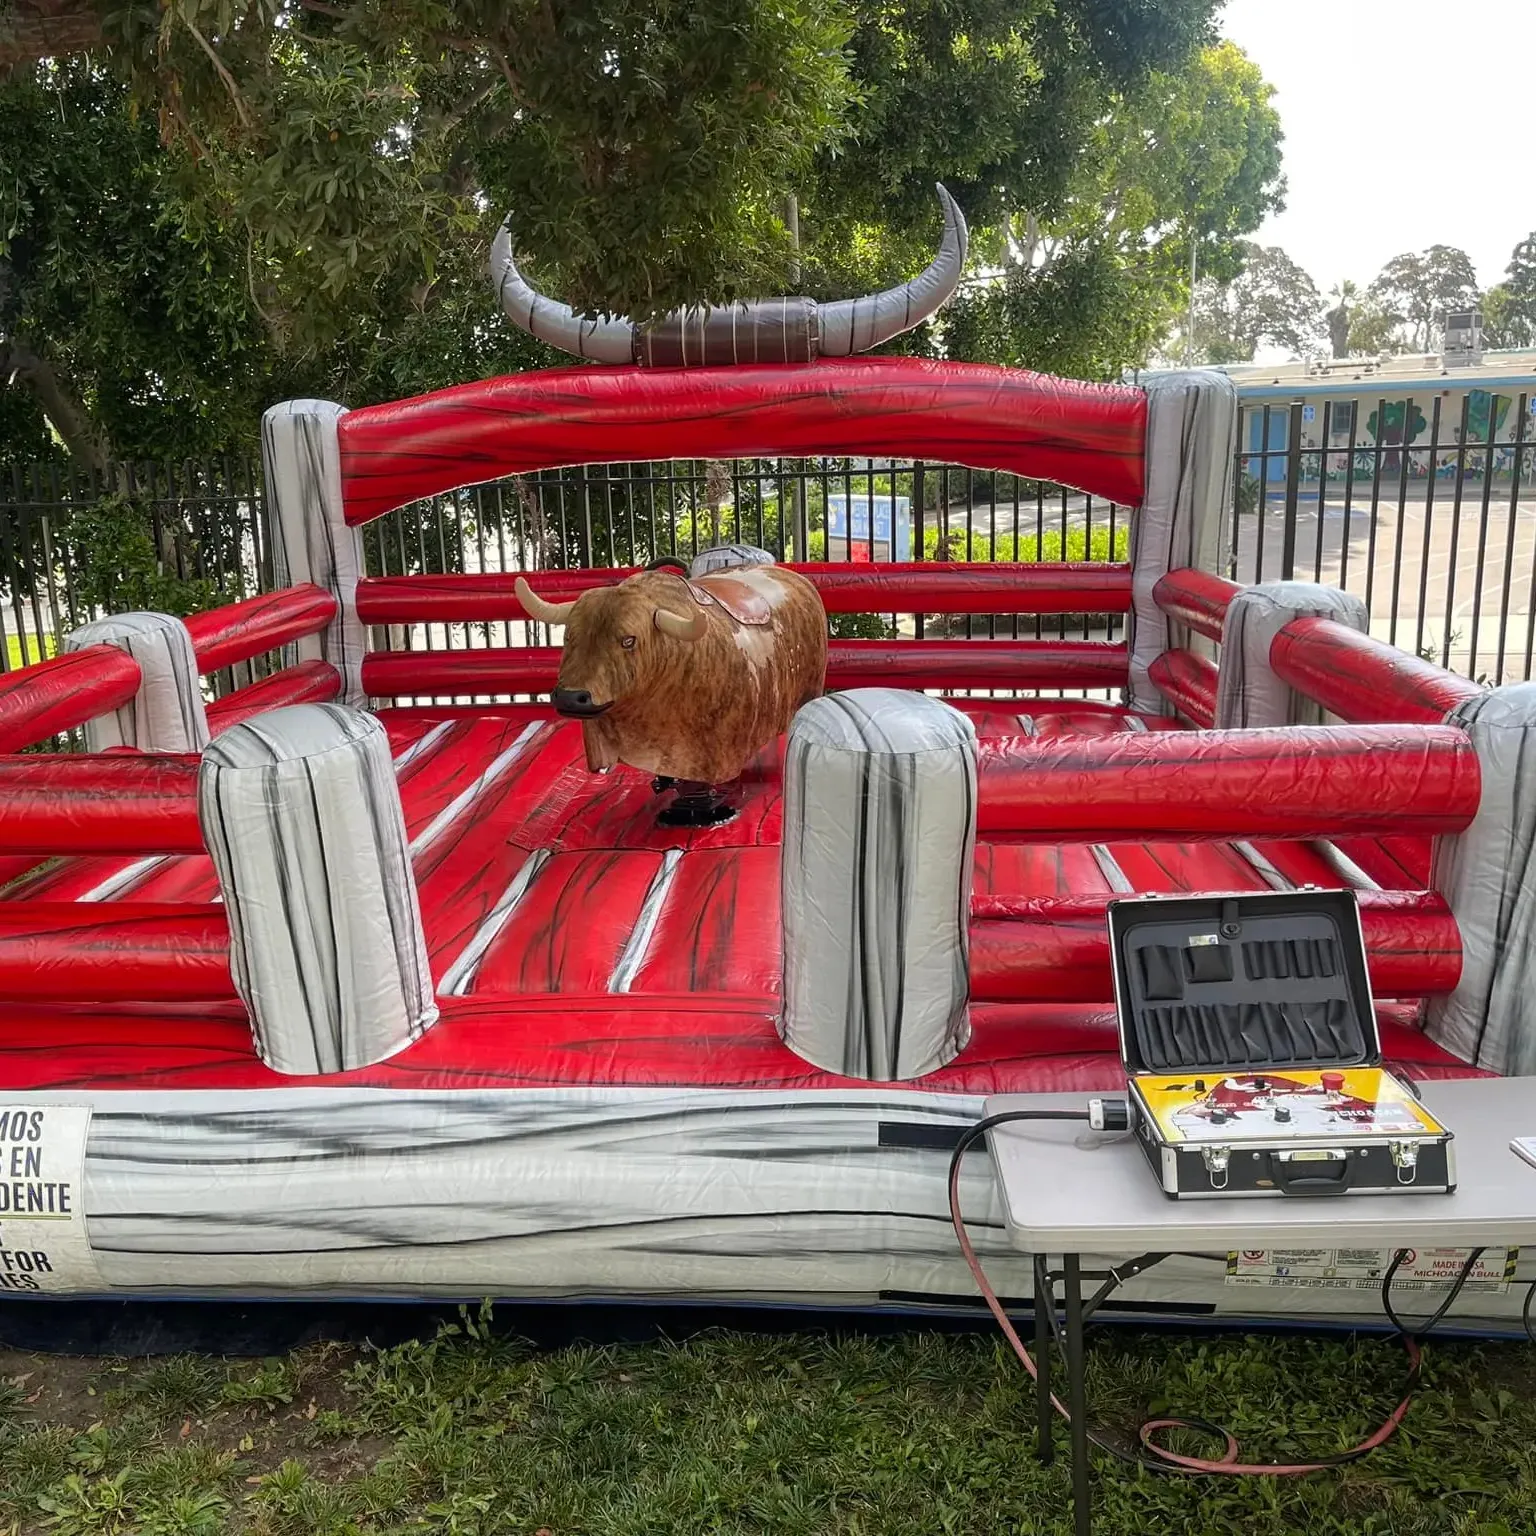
[1283,1105]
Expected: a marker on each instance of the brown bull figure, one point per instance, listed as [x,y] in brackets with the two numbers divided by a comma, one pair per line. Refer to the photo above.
[687,678]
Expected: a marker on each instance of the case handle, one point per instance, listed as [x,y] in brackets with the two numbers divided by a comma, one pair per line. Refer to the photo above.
[1283,1164]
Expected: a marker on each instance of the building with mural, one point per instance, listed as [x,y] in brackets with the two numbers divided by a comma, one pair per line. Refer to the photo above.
[1459,407]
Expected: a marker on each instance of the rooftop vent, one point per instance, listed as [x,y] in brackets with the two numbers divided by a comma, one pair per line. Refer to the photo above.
[1463,346]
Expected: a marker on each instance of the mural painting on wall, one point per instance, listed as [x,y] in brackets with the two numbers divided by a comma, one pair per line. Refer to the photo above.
[1386,423]
[1486,414]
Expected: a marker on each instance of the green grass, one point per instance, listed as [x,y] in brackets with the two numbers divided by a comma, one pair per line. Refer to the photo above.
[801,1436]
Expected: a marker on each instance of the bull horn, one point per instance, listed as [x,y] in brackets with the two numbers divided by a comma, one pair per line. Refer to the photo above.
[679,628]
[855,325]
[536,608]
[605,341]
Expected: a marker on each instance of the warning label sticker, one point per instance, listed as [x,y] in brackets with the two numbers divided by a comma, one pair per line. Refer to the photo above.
[1365,1268]
[43,1241]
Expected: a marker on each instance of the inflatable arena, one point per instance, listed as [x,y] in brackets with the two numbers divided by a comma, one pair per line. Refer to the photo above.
[677,972]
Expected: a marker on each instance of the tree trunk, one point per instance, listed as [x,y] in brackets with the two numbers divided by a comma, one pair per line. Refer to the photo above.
[1338,329]
[39,29]
[65,414]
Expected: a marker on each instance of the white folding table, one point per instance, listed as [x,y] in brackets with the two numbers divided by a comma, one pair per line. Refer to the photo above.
[1069,1193]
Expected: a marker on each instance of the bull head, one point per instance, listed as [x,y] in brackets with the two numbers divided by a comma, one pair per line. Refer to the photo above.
[603,658]
[786,330]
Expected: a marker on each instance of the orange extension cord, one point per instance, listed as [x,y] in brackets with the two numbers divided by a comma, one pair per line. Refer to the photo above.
[1153,1455]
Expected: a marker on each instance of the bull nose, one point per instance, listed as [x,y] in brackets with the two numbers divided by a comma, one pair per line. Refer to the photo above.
[575,701]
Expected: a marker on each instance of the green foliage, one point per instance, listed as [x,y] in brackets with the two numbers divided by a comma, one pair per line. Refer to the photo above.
[1091,313]
[1418,289]
[120,564]
[1003,98]
[144,325]
[1271,302]
[642,145]
[228,205]
[1090,289]
[1509,309]
[1079,544]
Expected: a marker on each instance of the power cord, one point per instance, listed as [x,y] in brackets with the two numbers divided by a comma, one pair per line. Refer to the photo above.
[1112,1114]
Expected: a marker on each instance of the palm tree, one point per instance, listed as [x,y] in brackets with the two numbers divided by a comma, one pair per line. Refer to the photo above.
[1339,317]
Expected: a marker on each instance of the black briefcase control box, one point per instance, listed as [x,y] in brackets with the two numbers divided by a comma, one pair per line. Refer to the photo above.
[1249,1038]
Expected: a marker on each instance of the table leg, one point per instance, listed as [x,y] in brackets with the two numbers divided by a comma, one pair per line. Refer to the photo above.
[1045,1308]
[1077,1394]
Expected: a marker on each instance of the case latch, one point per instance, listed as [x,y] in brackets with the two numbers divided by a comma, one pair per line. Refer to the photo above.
[1405,1158]
[1216,1160]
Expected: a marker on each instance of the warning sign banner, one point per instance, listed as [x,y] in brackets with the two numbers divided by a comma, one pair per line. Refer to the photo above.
[1365,1268]
[43,1240]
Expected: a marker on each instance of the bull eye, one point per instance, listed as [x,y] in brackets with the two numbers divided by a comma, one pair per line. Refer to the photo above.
[628,642]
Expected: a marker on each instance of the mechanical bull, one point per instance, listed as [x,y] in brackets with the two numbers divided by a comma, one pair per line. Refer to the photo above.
[687,678]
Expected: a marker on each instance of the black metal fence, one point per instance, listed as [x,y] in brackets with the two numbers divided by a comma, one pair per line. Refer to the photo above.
[625,514]
[1426,509]
[76,545]
[1432,526]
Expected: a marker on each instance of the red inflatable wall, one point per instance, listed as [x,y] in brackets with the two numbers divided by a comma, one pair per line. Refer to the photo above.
[1090,436]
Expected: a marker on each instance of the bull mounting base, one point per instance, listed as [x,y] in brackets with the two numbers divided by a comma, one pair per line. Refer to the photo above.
[695,805]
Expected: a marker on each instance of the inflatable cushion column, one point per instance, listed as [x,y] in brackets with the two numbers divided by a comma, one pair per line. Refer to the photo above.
[1248,693]
[311,540]
[879,835]
[167,714]
[1184,517]
[1487,875]
[302,817]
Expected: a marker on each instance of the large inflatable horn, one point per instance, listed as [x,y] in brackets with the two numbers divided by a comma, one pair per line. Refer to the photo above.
[787,330]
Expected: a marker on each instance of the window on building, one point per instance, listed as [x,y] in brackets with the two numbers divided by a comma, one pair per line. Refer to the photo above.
[1341,420]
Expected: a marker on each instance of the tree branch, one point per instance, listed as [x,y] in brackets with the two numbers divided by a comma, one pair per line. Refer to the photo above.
[66,415]
[40,29]
[223,74]
[513,85]
[451,119]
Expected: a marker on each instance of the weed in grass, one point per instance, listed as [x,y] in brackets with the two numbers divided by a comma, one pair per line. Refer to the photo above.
[178,1387]
[33,1460]
[293,1503]
[112,1447]
[187,1514]
[88,1506]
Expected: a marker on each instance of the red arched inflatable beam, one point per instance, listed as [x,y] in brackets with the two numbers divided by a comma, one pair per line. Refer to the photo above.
[1090,436]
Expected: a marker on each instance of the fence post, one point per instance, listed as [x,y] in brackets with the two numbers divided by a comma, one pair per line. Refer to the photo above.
[1292,494]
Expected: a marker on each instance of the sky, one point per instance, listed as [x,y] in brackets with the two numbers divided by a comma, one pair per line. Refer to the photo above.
[1408,123]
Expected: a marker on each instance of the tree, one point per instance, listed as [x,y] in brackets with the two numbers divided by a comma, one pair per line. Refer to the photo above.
[1004,97]
[643,144]
[1419,290]
[1191,157]
[1271,301]
[1509,309]
[227,205]
[1346,297]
